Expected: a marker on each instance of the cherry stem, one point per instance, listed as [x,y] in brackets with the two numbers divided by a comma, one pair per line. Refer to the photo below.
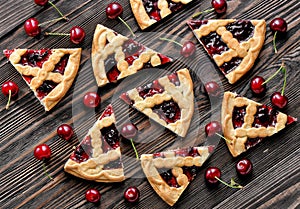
[44,168]
[126,26]
[270,78]
[223,137]
[274,42]
[135,151]
[199,13]
[9,98]
[55,7]
[57,19]
[284,82]
[57,34]
[232,184]
[170,40]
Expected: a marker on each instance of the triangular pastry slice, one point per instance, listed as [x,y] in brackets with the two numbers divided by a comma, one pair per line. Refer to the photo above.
[170,172]
[48,72]
[168,100]
[115,56]
[245,122]
[233,44]
[98,156]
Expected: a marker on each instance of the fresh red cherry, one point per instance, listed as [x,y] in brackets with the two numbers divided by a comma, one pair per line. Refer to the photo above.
[220,6]
[91,99]
[212,88]
[188,49]
[31,27]
[42,152]
[244,167]
[114,10]
[212,128]
[132,194]
[278,100]
[210,175]
[77,34]
[10,89]
[129,131]
[257,85]
[92,195]
[65,131]
[41,2]
[278,24]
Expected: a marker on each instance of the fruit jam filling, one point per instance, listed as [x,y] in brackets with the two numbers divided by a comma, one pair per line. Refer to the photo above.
[227,67]
[238,115]
[113,164]
[110,137]
[168,177]
[61,65]
[35,58]
[150,89]
[196,24]
[132,50]
[112,71]
[265,116]
[83,151]
[242,30]
[173,78]
[45,89]
[214,44]
[251,142]
[168,111]
[107,112]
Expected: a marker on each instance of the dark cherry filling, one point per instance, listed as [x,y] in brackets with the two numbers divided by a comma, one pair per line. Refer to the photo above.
[265,116]
[112,72]
[61,65]
[83,151]
[35,58]
[214,44]
[251,142]
[174,6]
[238,116]
[45,89]
[164,59]
[168,111]
[150,89]
[242,30]
[125,98]
[196,24]
[191,151]
[168,177]
[28,78]
[113,165]
[111,136]
[173,78]
[227,67]
[107,112]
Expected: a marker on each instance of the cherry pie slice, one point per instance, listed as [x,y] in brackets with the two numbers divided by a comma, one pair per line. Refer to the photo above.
[48,72]
[148,12]
[233,44]
[245,122]
[115,56]
[170,172]
[98,156]
[168,100]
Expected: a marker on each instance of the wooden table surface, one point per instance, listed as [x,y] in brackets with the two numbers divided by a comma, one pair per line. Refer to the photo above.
[275,179]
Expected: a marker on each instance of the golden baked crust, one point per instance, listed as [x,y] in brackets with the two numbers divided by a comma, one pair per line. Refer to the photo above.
[150,165]
[92,169]
[247,50]
[183,95]
[141,16]
[107,42]
[64,81]
[237,138]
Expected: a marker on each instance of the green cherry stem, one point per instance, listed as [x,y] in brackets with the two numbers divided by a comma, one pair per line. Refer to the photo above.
[170,40]
[274,42]
[199,13]
[9,98]
[284,82]
[126,26]
[232,184]
[55,7]
[44,168]
[270,78]
[54,20]
[228,141]
[57,34]
[135,151]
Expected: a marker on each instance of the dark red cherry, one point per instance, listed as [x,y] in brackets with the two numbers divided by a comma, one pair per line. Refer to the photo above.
[129,130]
[278,100]
[244,167]
[278,24]
[91,99]
[212,88]
[188,49]
[65,131]
[210,175]
[92,195]
[257,86]
[10,87]
[212,128]
[114,10]
[41,2]
[31,27]
[42,152]
[132,194]
[77,34]
[220,6]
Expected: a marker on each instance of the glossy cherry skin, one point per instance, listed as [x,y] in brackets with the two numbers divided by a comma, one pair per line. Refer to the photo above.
[212,128]
[77,34]
[42,152]
[212,88]
[91,99]
[113,10]
[278,24]
[132,194]
[278,100]
[244,167]
[41,2]
[188,49]
[210,175]
[31,27]
[257,86]
[129,131]
[10,86]
[220,6]
[92,195]
[65,131]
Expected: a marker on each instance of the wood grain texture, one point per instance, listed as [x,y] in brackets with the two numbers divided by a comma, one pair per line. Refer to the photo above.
[275,180]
